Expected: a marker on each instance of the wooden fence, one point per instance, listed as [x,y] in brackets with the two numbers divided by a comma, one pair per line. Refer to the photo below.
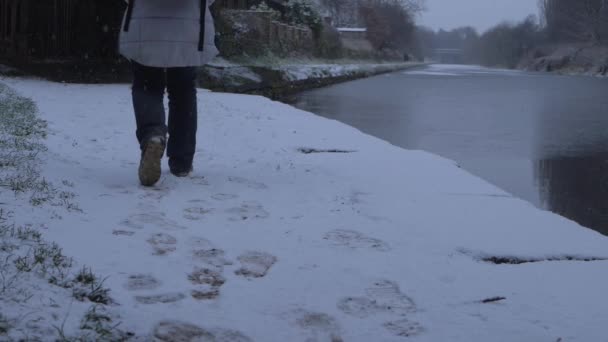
[59,29]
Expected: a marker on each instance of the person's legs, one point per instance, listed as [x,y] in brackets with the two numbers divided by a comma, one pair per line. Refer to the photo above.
[181,85]
[148,93]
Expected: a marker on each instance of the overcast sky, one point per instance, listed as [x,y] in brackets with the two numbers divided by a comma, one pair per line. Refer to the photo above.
[481,14]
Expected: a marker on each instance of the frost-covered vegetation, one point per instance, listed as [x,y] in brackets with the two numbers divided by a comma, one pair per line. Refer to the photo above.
[38,282]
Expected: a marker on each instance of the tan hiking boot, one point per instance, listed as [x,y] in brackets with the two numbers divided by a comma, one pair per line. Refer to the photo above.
[149,166]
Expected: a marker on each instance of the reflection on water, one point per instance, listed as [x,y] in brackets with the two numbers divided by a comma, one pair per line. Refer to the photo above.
[542,137]
[577,188]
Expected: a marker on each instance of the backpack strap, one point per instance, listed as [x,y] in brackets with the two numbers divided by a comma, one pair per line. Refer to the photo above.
[201,39]
[129,15]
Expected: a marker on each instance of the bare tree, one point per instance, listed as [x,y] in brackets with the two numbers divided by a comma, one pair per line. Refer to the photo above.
[348,12]
[506,44]
[390,23]
[580,20]
[335,7]
[413,7]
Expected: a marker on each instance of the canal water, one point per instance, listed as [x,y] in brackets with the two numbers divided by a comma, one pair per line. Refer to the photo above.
[541,137]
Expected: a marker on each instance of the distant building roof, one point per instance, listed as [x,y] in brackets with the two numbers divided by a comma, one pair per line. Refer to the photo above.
[351,29]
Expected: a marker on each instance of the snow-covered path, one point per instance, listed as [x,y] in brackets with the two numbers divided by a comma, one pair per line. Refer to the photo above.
[278,237]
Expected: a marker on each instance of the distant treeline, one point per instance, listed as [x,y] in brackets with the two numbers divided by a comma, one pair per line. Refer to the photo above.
[505,45]
[390,23]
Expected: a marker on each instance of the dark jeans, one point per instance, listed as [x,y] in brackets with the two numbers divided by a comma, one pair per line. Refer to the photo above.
[149,84]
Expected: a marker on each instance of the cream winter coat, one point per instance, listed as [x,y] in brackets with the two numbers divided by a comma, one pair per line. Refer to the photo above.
[168,33]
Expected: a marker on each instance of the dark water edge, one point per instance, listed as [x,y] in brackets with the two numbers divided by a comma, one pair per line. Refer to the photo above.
[541,137]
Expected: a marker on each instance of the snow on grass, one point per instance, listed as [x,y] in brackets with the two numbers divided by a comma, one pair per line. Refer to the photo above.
[303,69]
[281,236]
[298,72]
[42,293]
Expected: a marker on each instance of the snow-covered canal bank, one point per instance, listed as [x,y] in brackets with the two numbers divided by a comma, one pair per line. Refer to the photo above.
[297,228]
[538,136]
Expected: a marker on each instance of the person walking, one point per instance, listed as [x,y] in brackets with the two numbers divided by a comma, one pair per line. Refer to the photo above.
[165,41]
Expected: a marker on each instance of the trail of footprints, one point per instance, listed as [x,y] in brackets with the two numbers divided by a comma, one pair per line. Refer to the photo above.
[207,278]
[162,243]
[250,210]
[383,299]
[198,210]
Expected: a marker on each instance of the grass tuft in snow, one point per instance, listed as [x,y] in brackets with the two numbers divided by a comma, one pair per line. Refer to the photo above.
[96,325]
[23,249]
[87,285]
[98,321]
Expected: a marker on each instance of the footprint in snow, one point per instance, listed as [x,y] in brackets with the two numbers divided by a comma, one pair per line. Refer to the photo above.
[355,240]
[388,294]
[384,297]
[213,257]
[248,211]
[208,283]
[404,328]
[175,331]
[209,278]
[196,213]
[142,221]
[248,183]
[138,282]
[199,180]
[164,298]
[320,326]
[162,243]
[157,192]
[360,307]
[255,264]
[224,197]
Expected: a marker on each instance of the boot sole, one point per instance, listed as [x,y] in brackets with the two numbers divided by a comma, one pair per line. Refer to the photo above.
[150,166]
